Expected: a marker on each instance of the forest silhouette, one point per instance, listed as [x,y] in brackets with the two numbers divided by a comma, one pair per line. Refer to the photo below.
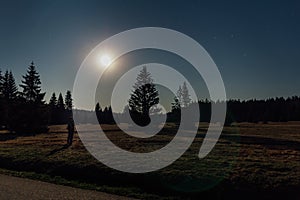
[24,110]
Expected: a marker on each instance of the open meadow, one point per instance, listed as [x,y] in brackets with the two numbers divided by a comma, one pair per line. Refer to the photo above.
[249,160]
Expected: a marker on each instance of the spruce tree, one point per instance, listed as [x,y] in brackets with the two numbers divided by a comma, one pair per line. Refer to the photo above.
[31,113]
[31,85]
[61,110]
[2,111]
[143,97]
[179,94]
[60,102]
[53,101]
[99,113]
[69,103]
[53,109]
[69,100]
[9,87]
[1,84]
[175,105]
[186,100]
[176,110]
[8,98]
[97,108]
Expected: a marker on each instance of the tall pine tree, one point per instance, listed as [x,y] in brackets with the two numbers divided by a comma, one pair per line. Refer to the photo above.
[9,87]
[61,110]
[1,84]
[2,119]
[69,100]
[99,113]
[31,85]
[9,97]
[69,103]
[53,113]
[183,95]
[53,101]
[143,97]
[31,112]
[186,100]
[60,102]
[175,113]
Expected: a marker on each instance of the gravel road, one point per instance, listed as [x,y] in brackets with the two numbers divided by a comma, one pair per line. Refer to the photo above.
[14,188]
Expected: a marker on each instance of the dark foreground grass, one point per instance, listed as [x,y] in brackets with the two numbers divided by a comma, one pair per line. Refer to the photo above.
[249,161]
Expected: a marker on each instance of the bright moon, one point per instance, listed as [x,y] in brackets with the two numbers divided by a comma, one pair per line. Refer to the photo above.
[105,60]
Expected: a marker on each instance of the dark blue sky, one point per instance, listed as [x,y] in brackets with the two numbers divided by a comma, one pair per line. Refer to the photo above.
[255,44]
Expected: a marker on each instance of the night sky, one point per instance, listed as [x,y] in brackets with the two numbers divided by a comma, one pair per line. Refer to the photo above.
[255,44]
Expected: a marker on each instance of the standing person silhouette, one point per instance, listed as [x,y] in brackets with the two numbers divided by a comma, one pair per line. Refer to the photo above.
[70,131]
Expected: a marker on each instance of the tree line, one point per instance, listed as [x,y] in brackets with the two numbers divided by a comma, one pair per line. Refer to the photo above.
[277,109]
[24,110]
[145,97]
[273,109]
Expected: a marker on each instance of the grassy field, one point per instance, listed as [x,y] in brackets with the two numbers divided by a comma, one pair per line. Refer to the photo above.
[250,160]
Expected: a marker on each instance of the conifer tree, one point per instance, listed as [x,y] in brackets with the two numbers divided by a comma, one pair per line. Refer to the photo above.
[60,102]
[179,94]
[143,97]
[1,84]
[31,85]
[99,113]
[9,88]
[2,107]
[69,101]
[31,114]
[53,101]
[186,100]
[68,104]
[61,110]
[53,109]
[183,95]
[175,105]
[176,110]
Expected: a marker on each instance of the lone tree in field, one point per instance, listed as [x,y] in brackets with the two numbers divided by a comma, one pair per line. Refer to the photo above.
[143,97]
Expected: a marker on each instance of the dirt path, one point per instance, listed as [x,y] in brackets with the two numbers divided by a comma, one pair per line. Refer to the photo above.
[14,188]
